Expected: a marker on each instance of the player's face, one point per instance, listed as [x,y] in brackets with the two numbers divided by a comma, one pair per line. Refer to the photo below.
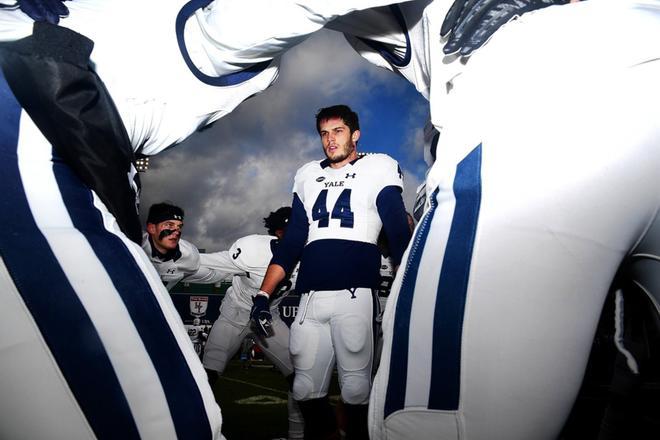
[165,235]
[338,142]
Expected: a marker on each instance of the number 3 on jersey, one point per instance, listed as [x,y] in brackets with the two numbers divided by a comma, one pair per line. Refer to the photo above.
[341,210]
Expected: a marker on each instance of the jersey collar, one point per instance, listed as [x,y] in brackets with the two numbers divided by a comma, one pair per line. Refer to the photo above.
[326,162]
[173,255]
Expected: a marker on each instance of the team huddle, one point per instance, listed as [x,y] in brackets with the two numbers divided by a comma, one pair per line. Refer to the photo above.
[342,205]
[540,200]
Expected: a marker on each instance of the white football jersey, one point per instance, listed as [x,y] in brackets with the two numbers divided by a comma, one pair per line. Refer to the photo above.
[343,220]
[341,203]
[172,271]
[245,262]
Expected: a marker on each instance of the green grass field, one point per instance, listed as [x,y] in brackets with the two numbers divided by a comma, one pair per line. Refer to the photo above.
[253,401]
[253,404]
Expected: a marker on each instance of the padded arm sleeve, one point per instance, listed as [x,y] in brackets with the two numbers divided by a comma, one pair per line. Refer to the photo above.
[395,222]
[288,252]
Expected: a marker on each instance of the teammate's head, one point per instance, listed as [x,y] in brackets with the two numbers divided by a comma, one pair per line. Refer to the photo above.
[164,224]
[277,221]
[339,129]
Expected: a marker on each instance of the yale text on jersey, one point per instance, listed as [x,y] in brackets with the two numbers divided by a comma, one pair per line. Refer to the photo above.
[332,184]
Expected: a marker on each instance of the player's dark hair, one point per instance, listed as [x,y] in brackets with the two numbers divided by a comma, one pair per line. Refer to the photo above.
[159,212]
[342,112]
[277,220]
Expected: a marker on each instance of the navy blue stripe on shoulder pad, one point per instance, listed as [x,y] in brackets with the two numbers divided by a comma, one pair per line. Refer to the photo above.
[390,57]
[230,79]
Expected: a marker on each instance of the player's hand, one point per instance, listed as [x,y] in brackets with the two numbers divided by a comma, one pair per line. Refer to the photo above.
[44,10]
[472,22]
[260,314]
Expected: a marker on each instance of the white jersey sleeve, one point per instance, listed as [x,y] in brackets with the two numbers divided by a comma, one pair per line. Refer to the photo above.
[386,169]
[274,27]
[253,253]
[248,256]
[159,75]
[213,268]
[393,37]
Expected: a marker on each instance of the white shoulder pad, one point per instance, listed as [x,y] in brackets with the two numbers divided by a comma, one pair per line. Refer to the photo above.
[384,169]
[302,174]
[252,253]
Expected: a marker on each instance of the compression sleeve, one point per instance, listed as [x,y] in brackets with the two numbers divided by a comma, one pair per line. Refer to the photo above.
[290,248]
[395,222]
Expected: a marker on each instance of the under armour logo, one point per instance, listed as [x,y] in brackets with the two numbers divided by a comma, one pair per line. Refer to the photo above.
[171,270]
[350,175]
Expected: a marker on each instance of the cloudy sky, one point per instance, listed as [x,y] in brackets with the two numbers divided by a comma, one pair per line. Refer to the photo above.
[232,174]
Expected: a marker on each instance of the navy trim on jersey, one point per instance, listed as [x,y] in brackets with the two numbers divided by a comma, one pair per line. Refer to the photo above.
[230,79]
[452,286]
[395,396]
[333,264]
[289,251]
[325,163]
[444,393]
[181,391]
[382,49]
[274,243]
[392,212]
[53,303]
[433,150]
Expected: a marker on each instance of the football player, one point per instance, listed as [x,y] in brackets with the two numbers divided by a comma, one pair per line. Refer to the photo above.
[173,257]
[245,263]
[339,206]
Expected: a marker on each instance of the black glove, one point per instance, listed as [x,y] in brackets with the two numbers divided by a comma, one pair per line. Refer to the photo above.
[472,22]
[260,314]
[44,10]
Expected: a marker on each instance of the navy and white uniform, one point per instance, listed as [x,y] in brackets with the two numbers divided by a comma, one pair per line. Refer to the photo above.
[174,266]
[337,215]
[88,326]
[245,263]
